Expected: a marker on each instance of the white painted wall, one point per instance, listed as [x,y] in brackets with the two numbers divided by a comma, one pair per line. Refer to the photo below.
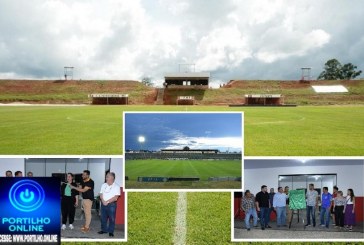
[348,176]
[116,166]
[12,164]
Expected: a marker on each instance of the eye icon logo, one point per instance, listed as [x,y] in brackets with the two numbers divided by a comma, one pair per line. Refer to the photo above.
[26,195]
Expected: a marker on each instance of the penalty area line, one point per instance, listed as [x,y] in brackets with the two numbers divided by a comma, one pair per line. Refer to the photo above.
[180,230]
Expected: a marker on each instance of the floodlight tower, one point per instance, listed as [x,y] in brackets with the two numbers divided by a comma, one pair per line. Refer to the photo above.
[68,72]
[141,140]
[306,73]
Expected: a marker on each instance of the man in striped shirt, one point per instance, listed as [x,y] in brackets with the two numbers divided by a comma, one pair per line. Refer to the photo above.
[279,204]
[248,206]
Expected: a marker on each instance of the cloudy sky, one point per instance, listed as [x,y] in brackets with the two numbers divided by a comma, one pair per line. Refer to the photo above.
[177,130]
[233,39]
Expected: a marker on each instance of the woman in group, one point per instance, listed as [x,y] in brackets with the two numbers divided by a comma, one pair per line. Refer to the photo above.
[339,204]
[349,210]
[69,202]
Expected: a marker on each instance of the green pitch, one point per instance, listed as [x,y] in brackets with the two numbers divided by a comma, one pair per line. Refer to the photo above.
[182,168]
[299,131]
[151,218]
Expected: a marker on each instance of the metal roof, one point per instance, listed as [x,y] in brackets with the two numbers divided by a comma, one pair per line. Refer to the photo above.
[187,75]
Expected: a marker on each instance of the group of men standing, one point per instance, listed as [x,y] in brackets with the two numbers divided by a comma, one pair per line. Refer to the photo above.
[265,203]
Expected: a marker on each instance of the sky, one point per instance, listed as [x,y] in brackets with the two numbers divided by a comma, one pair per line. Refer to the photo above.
[221,131]
[133,39]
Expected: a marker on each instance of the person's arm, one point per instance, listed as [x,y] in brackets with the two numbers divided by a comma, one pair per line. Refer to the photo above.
[242,205]
[257,202]
[333,203]
[111,200]
[82,190]
[274,202]
[353,205]
[317,200]
[257,205]
[76,202]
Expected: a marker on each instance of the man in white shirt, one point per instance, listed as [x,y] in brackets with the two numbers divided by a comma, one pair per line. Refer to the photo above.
[109,194]
[312,197]
[279,204]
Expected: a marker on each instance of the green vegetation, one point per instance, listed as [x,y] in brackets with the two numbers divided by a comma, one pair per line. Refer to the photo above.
[334,70]
[297,131]
[151,217]
[182,168]
[208,218]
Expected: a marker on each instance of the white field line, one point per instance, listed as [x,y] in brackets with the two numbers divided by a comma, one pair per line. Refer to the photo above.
[180,230]
[276,122]
[16,124]
[91,121]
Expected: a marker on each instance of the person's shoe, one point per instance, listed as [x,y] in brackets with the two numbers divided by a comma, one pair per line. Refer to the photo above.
[248,229]
[101,232]
[268,226]
[71,227]
[111,234]
[86,230]
[308,225]
[63,227]
[83,227]
[263,228]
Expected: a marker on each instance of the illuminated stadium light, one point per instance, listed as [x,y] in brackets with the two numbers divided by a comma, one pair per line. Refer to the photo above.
[141,139]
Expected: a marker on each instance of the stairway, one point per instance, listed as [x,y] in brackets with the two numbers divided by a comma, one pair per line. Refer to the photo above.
[160,97]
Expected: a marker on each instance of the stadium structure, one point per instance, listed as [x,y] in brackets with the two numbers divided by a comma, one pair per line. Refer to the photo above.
[183,154]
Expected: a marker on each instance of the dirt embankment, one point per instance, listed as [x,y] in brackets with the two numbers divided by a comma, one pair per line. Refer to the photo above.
[76,92]
[72,91]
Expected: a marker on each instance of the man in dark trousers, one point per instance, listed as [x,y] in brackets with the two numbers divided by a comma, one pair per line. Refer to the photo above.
[263,206]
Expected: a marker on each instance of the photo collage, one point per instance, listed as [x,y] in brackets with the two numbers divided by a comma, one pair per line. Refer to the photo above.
[181,122]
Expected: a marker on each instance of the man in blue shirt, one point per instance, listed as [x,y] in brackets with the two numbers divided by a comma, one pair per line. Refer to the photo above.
[279,204]
[325,207]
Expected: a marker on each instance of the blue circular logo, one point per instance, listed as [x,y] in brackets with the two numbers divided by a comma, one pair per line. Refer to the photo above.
[26,195]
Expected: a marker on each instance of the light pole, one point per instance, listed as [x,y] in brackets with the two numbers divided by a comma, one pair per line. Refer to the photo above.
[141,140]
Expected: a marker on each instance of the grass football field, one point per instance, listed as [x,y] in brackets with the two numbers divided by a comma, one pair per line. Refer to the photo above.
[297,131]
[182,168]
[152,216]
